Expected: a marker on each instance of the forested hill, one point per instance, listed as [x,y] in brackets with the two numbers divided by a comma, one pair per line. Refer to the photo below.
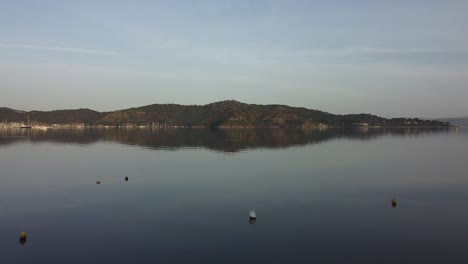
[219,114]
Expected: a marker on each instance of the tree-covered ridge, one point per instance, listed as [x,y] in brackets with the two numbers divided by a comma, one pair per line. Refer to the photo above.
[220,114]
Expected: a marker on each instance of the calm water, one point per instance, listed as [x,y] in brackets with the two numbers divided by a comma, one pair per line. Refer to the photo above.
[321,196]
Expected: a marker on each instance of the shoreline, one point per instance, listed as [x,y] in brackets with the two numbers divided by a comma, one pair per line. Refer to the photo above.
[45,127]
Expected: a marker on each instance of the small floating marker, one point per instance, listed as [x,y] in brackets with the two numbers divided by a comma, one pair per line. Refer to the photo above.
[252,215]
[126,178]
[22,238]
[98,182]
[393,202]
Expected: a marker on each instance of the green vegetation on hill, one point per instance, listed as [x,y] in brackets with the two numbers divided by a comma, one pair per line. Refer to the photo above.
[219,114]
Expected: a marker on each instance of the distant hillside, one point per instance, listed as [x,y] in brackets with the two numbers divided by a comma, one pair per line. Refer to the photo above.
[233,113]
[219,114]
[10,114]
[85,116]
[460,121]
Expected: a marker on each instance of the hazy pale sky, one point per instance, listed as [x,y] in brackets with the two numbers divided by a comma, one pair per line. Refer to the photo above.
[391,58]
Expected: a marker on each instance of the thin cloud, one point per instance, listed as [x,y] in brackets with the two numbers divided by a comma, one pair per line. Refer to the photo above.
[365,50]
[57,48]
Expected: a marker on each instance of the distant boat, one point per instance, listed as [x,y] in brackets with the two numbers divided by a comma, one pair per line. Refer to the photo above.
[26,126]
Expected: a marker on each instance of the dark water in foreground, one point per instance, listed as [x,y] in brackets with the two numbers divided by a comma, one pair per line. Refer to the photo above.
[321,196]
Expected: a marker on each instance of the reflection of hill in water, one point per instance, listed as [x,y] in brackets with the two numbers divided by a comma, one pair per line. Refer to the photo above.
[227,140]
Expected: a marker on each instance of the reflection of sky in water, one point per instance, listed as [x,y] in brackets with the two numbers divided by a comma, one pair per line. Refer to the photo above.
[326,202]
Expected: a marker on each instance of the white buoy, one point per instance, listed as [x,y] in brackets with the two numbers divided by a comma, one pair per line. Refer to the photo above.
[252,215]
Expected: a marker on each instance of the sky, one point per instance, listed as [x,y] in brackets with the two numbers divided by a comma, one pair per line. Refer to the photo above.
[391,58]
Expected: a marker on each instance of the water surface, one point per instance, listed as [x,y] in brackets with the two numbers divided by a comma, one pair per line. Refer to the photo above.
[321,196]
